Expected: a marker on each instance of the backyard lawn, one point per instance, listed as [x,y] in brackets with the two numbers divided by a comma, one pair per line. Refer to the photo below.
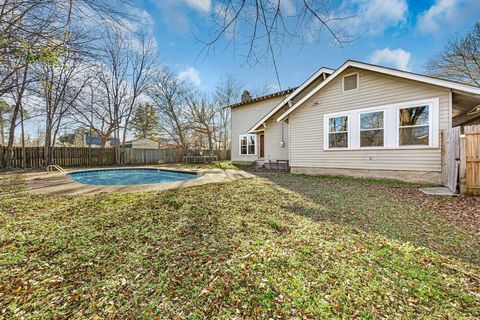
[277,246]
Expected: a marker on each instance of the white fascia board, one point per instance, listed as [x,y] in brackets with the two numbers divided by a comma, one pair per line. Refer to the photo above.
[291,96]
[397,73]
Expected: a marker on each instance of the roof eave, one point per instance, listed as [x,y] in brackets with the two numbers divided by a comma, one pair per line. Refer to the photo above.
[291,96]
[398,73]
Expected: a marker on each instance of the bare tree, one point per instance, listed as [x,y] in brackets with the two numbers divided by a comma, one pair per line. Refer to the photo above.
[143,59]
[202,113]
[60,85]
[91,112]
[124,76]
[113,76]
[38,32]
[167,94]
[226,93]
[460,59]
[266,26]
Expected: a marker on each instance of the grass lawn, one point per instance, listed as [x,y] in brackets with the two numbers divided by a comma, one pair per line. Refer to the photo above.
[279,246]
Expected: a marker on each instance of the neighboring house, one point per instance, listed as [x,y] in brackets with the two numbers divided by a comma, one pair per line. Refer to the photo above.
[142,143]
[84,139]
[359,120]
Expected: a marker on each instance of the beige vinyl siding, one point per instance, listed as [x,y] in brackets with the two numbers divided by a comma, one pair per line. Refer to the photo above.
[243,119]
[144,144]
[307,89]
[273,138]
[306,124]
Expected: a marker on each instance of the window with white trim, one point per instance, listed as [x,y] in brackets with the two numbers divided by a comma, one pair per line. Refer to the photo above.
[407,125]
[350,82]
[414,126]
[338,132]
[372,133]
[248,144]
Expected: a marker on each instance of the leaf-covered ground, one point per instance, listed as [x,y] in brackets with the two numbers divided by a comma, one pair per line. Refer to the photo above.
[279,246]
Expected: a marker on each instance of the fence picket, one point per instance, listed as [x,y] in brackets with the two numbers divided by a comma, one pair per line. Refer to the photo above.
[82,157]
[472,156]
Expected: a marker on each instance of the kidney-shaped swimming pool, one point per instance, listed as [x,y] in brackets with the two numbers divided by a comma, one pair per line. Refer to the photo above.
[116,177]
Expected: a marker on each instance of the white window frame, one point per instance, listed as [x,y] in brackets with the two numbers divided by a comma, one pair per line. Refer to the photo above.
[248,135]
[358,82]
[326,141]
[391,128]
[359,143]
[432,113]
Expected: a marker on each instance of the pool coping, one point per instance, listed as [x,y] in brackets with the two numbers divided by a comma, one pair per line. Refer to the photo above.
[58,183]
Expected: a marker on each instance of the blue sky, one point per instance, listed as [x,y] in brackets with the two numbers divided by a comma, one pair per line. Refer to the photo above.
[398,33]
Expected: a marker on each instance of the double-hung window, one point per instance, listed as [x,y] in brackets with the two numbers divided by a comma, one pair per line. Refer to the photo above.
[248,144]
[414,126]
[338,132]
[407,125]
[372,129]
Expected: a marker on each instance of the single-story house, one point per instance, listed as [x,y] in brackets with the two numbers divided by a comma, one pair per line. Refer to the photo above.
[142,143]
[358,120]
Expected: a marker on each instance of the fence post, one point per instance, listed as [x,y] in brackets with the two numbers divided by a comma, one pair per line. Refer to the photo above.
[463,166]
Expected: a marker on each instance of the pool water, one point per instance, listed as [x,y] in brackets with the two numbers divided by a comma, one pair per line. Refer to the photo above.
[115,177]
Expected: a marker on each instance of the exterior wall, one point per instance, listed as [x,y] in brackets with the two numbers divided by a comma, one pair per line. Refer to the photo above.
[273,137]
[243,119]
[307,89]
[144,144]
[410,176]
[306,125]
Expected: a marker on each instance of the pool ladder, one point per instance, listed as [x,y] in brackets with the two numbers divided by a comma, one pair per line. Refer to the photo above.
[51,167]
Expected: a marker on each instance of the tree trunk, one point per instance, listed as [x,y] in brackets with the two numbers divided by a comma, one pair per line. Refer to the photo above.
[103,141]
[2,131]
[13,121]
[24,160]
[210,142]
[47,143]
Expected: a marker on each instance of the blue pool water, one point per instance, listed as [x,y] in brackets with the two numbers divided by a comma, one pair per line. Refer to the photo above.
[117,177]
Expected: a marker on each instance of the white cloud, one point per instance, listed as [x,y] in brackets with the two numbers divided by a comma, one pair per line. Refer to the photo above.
[287,7]
[200,5]
[397,58]
[223,14]
[446,13]
[190,74]
[372,16]
[175,13]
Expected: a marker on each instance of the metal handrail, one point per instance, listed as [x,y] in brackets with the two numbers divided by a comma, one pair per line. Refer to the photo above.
[54,166]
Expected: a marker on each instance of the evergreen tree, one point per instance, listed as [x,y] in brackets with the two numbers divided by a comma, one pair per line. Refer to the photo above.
[145,122]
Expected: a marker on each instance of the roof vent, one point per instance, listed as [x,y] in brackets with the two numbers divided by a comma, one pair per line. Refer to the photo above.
[246,96]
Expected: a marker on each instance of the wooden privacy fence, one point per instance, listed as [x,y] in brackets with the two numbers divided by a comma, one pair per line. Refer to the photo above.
[33,157]
[470,161]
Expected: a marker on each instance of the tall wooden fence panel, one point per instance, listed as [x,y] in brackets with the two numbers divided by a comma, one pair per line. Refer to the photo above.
[33,157]
[472,160]
[150,156]
[450,158]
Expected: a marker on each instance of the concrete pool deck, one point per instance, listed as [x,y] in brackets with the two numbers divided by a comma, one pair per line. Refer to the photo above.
[58,183]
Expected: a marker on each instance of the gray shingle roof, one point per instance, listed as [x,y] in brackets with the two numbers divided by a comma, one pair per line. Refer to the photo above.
[265,97]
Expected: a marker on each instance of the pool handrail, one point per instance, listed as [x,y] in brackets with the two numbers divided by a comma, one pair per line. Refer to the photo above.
[54,166]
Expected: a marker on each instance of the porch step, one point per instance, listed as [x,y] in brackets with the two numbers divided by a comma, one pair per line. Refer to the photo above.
[260,163]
